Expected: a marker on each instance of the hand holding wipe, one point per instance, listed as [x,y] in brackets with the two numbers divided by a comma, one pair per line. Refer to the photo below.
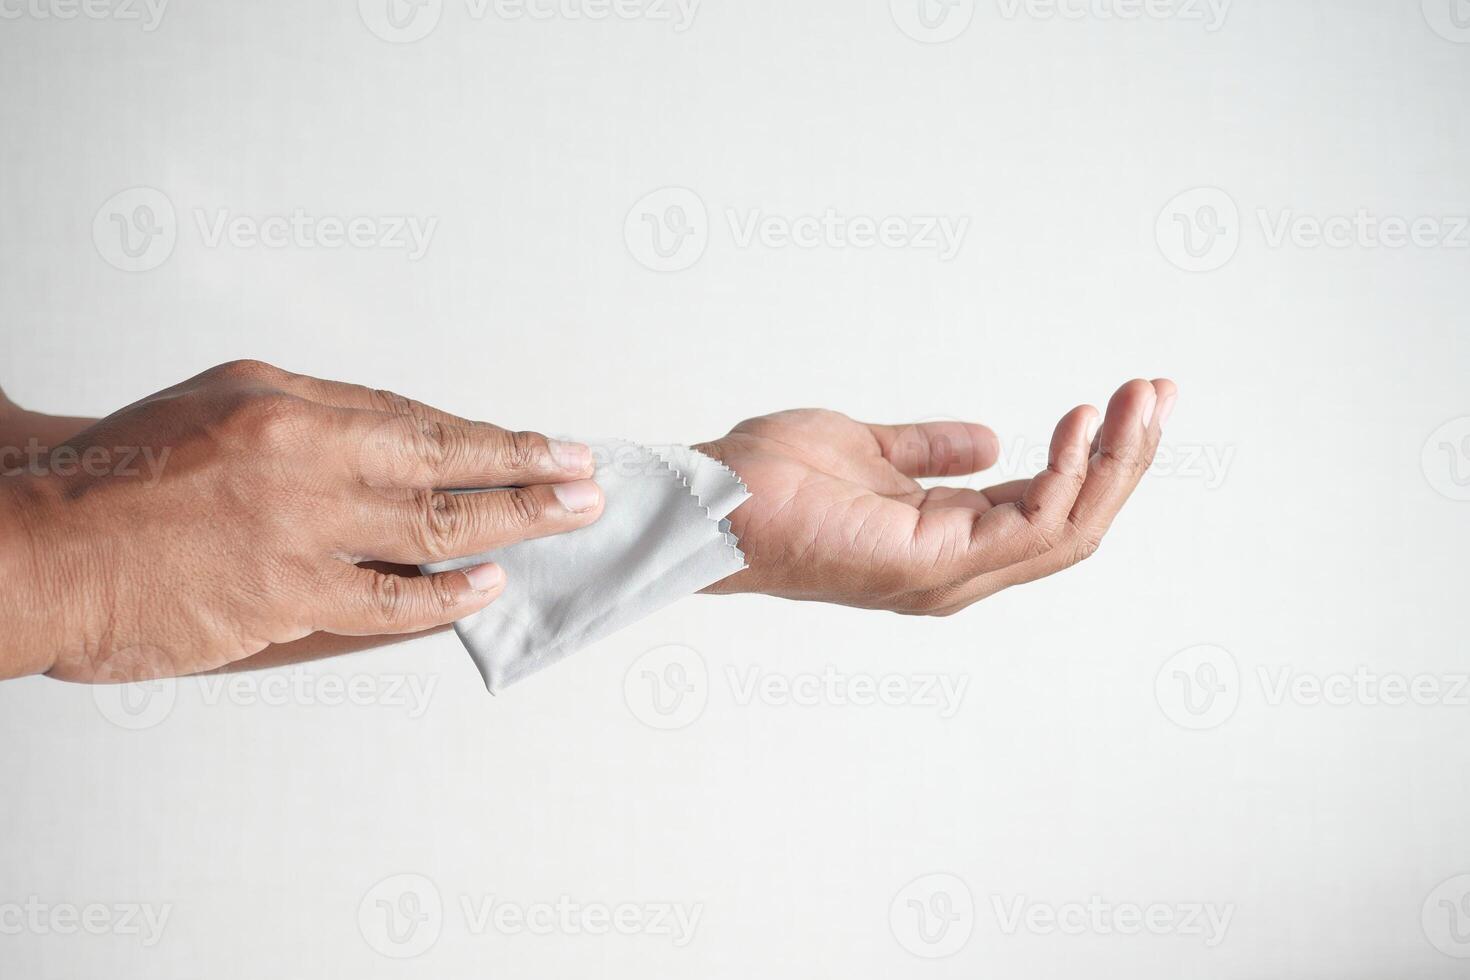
[663,535]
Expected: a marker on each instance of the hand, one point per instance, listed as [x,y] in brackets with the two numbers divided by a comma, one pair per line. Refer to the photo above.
[204,523]
[837,516]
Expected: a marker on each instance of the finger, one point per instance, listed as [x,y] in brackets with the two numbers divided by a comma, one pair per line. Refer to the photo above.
[1036,520]
[1126,445]
[1006,493]
[972,544]
[1127,436]
[937,448]
[432,525]
[370,603]
[1125,441]
[937,497]
[407,452]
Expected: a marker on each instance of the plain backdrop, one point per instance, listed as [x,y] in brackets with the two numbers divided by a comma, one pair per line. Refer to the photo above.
[1308,524]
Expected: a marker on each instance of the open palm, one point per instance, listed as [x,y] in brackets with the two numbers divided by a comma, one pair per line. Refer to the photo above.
[837,514]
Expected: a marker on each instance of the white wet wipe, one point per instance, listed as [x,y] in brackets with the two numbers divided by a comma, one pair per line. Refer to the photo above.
[663,535]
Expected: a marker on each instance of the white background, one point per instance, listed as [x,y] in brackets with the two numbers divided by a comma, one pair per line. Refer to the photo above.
[1326,536]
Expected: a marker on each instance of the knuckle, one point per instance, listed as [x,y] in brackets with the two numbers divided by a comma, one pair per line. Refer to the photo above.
[1085,543]
[1114,458]
[1041,531]
[272,419]
[522,507]
[437,444]
[390,402]
[439,521]
[445,597]
[520,450]
[247,369]
[390,603]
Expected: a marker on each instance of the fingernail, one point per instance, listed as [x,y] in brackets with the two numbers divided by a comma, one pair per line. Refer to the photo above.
[578,496]
[570,456]
[1149,404]
[1167,409]
[485,578]
[1092,427]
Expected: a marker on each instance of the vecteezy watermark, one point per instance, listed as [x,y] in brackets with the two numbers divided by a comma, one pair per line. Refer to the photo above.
[146,13]
[938,21]
[403,916]
[933,916]
[1446,459]
[942,234]
[932,21]
[942,693]
[145,463]
[1201,687]
[401,21]
[1445,917]
[1198,688]
[669,687]
[1096,916]
[408,233]
[564,916]
[136,230]
[142,705]
[1450,19]
[138,705]
[1361,686]
[1210,14]
[1201,230]
[1020,459]
[406,21]
[1362,229]
[35,917]
[669,230]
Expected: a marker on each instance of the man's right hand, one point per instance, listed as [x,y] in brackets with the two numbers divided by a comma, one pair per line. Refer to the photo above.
[202,524]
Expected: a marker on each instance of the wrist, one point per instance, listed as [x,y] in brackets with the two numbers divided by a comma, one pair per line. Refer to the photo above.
[28,606]
[731,584]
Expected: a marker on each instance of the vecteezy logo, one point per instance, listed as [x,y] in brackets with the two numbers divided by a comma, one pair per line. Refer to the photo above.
[1446,459]
[401,21]
[136,706]
[668,687]
[1450,19]
[668,230]
[932,21]
[1199,230]
[1199,688]
[401,916]
[136,230]
[133,705]
[1446,917]
[933,916]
